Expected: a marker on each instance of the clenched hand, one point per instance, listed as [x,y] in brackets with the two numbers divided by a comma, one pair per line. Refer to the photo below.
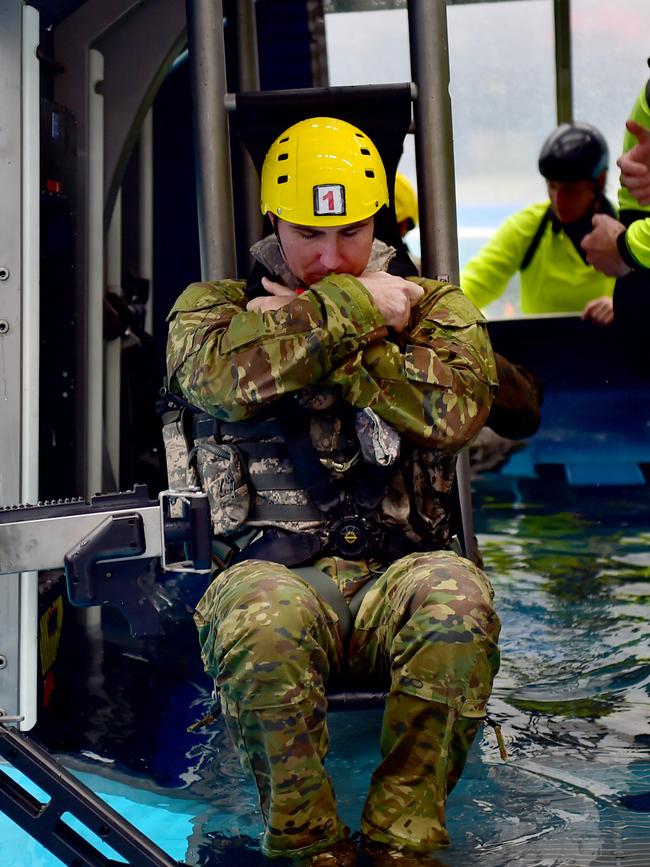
[600,246]
[278,296]
[394,297]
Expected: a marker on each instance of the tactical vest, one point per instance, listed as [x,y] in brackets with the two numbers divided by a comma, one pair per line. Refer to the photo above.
[311,477]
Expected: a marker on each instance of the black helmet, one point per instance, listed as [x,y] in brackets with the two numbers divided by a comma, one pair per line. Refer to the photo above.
[574,152]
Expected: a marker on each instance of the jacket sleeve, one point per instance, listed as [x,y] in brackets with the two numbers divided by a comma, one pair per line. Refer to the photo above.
[637,242]
[435,383]
[232,362]
[485,277]
[516,410]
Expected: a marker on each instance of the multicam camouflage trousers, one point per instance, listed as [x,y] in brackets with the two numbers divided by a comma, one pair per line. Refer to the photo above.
[427,629]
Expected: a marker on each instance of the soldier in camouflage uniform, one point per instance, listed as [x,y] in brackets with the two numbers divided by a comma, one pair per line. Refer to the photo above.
[389,378]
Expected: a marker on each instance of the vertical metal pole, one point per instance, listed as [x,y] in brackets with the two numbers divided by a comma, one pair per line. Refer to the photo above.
[94,345]
[434,147]
[212,146]
[319,68]
[434,154]
[145,205]
[94,349]
[249,79]
[563,72]
[113,349]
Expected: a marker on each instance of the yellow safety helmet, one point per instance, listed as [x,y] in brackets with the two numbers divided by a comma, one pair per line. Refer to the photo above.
[406,200]
[323,172]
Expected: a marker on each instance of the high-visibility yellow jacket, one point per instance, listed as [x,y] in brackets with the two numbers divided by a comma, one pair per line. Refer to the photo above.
[636,240]
[557,280]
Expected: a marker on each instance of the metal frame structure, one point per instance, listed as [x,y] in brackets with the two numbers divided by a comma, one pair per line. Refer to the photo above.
[19,335]
[10,327]
[109,81]
[45,820]
[114,55]
[249,79]
[135,44]
[211,139]
[434,154]
[563,72]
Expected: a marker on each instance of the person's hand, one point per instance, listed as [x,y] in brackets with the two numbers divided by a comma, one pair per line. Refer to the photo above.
[278,296]
[393,296]
[600,311]
[635,164]
[600,246]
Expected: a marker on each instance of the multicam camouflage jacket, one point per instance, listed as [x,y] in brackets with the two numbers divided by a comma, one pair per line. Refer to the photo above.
[330,349]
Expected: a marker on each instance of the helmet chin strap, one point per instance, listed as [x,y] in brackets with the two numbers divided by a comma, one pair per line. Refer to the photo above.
[599,199]
[274,222]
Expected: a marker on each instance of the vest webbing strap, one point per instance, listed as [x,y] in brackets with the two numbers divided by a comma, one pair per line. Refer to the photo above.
[207,426]
[257,451]
[274,481]
[290,549]
[282,512]
[537,237]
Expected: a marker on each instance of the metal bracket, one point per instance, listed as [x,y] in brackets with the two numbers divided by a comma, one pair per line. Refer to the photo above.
[185,517]
[93,582]
[6,718]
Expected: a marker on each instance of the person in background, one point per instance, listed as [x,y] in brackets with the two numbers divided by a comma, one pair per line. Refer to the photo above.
[335,403]
[621,247]
[406,204]
[407,217]
[543,241]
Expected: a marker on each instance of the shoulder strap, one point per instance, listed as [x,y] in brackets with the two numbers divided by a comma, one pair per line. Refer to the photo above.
[312,475]
[537,237]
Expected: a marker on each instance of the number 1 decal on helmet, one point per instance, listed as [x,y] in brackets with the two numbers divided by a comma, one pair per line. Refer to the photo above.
[329,199]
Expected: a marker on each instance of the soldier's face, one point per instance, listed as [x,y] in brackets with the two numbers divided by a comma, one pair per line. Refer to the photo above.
[313,253]
[571,200]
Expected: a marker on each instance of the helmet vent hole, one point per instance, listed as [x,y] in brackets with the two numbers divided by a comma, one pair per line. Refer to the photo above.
[370,173]
[282,179]
[365,152]
[359,135]
[286,138]
[282,157]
